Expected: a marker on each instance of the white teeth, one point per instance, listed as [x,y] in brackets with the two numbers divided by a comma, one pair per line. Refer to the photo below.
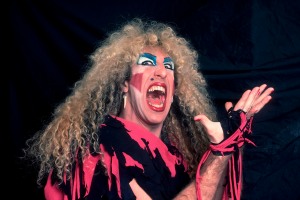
[157,88]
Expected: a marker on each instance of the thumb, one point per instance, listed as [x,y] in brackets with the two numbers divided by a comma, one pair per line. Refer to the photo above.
[214,129]
[228,105]
[207,123]
[202,118]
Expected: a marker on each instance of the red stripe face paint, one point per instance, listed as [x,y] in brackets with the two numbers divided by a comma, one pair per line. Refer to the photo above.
[151,88]
[136,81]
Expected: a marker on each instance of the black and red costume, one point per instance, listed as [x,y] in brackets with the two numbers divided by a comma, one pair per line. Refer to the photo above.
[132,152]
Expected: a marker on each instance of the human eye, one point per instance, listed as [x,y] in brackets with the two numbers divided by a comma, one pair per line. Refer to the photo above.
[147,59]
[169,64]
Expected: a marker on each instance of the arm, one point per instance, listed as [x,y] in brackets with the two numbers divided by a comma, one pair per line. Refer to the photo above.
[214,169]
[138,191]
[213,174]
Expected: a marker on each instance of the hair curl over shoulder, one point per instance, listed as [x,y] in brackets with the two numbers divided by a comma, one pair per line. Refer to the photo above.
[75,121]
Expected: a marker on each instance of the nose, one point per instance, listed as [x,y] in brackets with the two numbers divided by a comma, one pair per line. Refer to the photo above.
[160,71]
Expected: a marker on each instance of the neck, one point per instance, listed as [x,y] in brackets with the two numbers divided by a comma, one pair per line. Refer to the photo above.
[153,128]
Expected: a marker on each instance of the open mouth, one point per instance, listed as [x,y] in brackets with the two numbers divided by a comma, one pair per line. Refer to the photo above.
[156,96]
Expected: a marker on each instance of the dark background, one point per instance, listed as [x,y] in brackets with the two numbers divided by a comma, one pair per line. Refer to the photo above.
[242,43]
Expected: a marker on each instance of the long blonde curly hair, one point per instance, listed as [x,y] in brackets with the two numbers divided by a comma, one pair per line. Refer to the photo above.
[75,122]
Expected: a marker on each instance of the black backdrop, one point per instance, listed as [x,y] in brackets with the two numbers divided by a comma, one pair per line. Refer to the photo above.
[242,43]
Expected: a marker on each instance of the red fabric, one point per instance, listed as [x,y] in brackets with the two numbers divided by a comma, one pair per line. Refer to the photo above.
[52,192]
[138,134]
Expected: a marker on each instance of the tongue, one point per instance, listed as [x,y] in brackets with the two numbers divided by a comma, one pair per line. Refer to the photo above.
[155,98]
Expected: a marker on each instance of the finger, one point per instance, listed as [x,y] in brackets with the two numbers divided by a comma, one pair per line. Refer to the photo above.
[243,99]
[264,94]
[255,92]
[214,129]
[228,105]
[246,101]
[262,87]
[207,123]
[202,118]
[261,101]
[255,109]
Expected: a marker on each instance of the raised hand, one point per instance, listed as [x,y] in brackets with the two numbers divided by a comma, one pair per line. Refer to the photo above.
[251,102]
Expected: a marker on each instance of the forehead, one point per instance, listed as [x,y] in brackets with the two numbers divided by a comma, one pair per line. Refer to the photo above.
[157,51]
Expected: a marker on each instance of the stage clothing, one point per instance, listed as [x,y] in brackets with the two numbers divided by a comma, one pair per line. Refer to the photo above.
[129,152]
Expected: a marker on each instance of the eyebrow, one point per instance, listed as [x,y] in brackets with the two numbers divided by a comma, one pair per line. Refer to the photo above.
[168,59]
[153,57]
[150,56]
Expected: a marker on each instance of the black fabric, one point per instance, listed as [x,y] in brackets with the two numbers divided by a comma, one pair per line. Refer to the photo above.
[241,43]
[155,178]
[231,122]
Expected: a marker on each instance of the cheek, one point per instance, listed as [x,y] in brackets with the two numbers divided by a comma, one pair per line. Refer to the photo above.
[172,84]
[173,90]
[136,81]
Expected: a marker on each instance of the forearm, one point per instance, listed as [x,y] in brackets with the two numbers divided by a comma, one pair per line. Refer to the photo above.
[213,173]
[188,193]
